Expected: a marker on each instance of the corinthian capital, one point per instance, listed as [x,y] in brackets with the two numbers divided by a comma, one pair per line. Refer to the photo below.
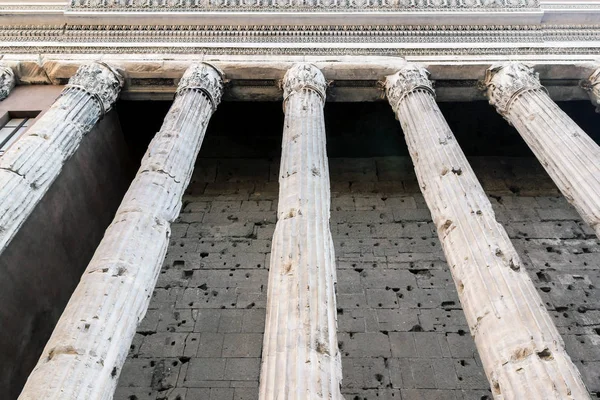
[408,79]
[303,76]
[592,86]
[205,78]
[101,81]
[7,81]
[504,82]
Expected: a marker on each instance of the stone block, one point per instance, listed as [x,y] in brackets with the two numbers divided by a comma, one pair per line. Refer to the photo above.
[242,345]
[242,369]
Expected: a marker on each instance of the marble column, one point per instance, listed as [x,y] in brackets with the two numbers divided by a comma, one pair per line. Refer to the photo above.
[569,155]
[522,353]
[300,357]
[29,167]
[84,356]
[7,81]
[592,86]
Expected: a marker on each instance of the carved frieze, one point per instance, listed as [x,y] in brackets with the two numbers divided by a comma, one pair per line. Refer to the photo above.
[7,81]
[204,78]
[100,80]
[305,5]
[504,82]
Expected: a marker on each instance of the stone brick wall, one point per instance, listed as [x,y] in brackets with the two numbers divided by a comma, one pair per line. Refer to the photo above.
[401,329]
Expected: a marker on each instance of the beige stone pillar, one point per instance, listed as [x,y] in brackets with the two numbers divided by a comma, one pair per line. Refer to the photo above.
[30,166]
[569,155]
[592,86]
[300,352]
[87,349]
[522,353]
[7,81]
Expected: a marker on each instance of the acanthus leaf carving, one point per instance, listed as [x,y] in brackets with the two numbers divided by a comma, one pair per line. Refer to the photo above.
[7,81]
[100,80]
[592,86]
[303,76]
[504,82]
[409,78]
[206,78]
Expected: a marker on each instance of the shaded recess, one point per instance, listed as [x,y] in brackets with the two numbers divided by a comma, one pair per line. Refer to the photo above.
[253,129]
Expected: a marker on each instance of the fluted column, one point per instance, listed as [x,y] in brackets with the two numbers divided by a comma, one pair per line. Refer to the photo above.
[592,86]
[300,352]
[30,166]
[569,155]
[86,351]
[520,348]
[7,81]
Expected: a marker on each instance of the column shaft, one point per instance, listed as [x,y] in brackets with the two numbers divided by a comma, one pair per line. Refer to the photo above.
[30,166]
[569,155]
[300,352]
[87,349]
[522,353]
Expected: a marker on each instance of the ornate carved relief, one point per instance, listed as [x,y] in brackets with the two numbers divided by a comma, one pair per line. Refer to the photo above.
[7,81]
[305,5]
[408,79]
[83,38]
[592,86]
[504,82]
[204,78]
[303,76]
[284,50]
[100,80]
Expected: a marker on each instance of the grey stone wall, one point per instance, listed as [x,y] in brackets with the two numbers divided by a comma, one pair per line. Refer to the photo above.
[401,329]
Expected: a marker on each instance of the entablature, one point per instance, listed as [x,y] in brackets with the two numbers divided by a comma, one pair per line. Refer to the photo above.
[257,78]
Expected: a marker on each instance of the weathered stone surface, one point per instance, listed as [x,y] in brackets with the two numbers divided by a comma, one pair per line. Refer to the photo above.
[7,81]
[301,359]
[567,153]
[397,258]
[28,169]
[520,348]
[85,354]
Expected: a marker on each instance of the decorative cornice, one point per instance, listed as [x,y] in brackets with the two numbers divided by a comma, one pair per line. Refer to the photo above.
[303,76]
[100,80]
[505,82]
[409,78]
[7,81]
[516,39]
[393,49]
[204,78]
[305,5]
[592,86]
